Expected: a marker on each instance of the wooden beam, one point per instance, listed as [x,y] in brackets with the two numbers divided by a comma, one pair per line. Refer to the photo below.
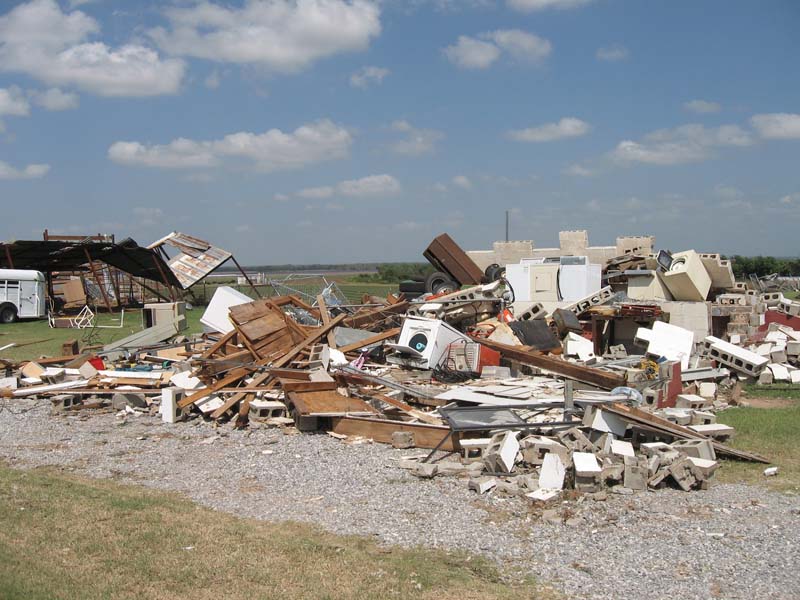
[378,337]
[409,410]
[326,319]
[259,380]
[311,339]
[381,430]
[232,377]
[592,376]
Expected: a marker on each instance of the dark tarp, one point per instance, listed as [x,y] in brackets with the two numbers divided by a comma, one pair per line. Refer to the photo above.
[49,256]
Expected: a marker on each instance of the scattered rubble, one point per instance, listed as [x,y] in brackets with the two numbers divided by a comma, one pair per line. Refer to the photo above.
[534,378]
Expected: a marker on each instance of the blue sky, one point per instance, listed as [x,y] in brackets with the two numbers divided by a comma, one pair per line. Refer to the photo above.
[341,131]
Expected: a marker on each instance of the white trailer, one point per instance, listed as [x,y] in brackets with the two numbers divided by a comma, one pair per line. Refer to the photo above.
[22,295]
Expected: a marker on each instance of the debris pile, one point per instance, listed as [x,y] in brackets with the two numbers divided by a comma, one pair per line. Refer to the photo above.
[535,377]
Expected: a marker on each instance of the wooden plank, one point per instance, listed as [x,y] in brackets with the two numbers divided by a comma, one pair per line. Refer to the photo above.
[378,337]
[326,403]
[381,430]
[262,327]
[597,377]
[219,344]
[232,377]
[244,313]
[326,320]
[409,410]
[290,385]
[370,317]
[258,380]
[311,339]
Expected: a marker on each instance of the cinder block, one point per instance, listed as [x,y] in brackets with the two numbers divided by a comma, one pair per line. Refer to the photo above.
[687,278]
[170,413]
[586,464]
[696,448]
[736,358]
[501,454]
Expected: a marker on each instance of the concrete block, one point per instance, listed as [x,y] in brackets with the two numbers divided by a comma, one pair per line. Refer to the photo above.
[170,413]
[654,448]
[612,472]
[668,341]
[586,464]
[707,389]
[575,440]
[736,358]
[765,378]
[501,454]
[122,399]
[692,401]
[687,277]
[779,372]
[696,448]
[679,416]
[682,473]
[266,409]
[552,472]
[703,468]
[718,431]
[8,383]
[403,439]
[622,448]
[795,375]
[635,478]
[425,470]
[536,448]
[543,494]
[702,417]
[87,370]
[602,420]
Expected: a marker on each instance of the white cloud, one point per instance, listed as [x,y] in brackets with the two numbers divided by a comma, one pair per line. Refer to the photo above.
[38,39]
[702,107]
[777,126]
[417,141]
[373,185]
[612,53]
[684,144]
[77,3]
[55,99]
[521,45]
[727,192]
[272,150]
[568,127]
[29,172]
[480,53]
[367,76]
[791,199]
[439,187]
[316,193]
[470,53]
[463,182]
[281,197]
[536,5]
[578,171]
[281,35]
[370,186]
[13,102]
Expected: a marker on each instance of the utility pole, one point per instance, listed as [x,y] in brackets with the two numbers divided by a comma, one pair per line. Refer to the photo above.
[507,225]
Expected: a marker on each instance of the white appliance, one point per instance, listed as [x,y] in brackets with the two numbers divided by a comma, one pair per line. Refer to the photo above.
[423,343]
[215,318]
[558,279]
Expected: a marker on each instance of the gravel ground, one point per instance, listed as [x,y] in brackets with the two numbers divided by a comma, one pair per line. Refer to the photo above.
[732,541]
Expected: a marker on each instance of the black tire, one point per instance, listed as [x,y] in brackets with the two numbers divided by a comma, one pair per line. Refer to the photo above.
[437,282]
[8,314]
[494,272]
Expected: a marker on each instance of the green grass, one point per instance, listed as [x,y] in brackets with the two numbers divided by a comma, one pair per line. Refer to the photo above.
[24,332]
[772,432]
[64,537]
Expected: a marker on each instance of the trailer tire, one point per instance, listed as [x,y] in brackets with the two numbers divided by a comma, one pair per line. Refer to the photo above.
[8,314]
[438,282]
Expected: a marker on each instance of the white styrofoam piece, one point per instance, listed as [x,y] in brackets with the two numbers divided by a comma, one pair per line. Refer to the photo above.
[215,318]
[543,495]
[509,449]
[185,381]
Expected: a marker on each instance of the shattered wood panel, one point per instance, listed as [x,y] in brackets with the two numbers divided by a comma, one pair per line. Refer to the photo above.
[262,327]
[191,269]
[368,319]
[244,313]
[381,430]
[327,403]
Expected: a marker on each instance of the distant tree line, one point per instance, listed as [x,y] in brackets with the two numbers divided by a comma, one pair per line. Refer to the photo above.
[395,273]
[764,265]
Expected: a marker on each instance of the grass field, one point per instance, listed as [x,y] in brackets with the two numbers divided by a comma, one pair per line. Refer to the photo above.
[37,338]
[773,432]
[69,538]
